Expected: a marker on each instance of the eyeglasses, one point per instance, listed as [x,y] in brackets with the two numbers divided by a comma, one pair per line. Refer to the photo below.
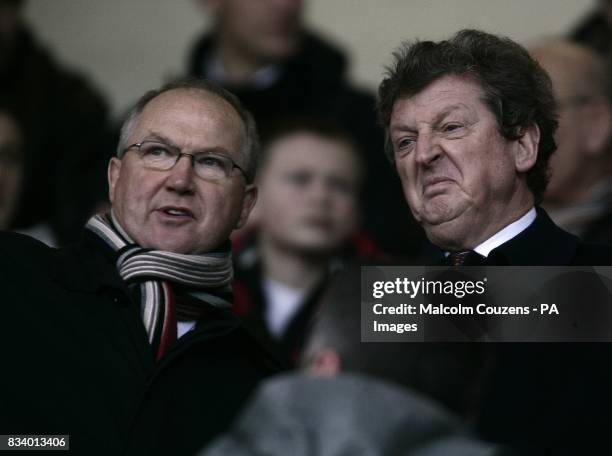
[207,165]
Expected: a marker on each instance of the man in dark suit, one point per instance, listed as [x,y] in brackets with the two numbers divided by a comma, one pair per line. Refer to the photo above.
[125,342]
[470,125]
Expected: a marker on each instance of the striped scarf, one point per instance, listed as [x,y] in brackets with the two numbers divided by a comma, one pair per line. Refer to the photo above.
[152,274]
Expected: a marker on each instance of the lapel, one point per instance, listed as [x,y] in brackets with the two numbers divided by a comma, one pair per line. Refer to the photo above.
[88,269]
[215,324]
[541,244]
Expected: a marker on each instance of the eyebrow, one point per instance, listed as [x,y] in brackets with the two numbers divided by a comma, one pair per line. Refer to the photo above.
[209,150]
[160,138]
[436,120]
[449,110]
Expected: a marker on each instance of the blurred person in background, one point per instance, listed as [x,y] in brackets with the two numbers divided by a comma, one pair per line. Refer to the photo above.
[262,51]
[11,167]
[356,398]
[125,340]
[579,195]
[307,227]
[65,122]
[595,30]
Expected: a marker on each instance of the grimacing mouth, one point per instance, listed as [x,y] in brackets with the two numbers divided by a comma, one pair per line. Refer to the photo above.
[431,181]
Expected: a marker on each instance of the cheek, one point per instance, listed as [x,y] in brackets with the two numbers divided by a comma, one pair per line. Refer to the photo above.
[133,193]
[221,206]
[407,174]
[347,219]
[285,212]
[278,201]
[344,206]
[497,178]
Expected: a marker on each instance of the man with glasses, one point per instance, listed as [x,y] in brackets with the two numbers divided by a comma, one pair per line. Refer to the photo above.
[126,341]
[579,195]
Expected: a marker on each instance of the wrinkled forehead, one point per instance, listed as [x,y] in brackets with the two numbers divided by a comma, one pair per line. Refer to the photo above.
[444,96]
[191,117]
[192,102]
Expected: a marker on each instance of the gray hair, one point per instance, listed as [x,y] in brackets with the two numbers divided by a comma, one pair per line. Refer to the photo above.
[516,89]
[250,151]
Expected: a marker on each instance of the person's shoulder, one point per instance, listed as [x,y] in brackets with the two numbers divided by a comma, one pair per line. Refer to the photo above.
[24,256]
[22,245]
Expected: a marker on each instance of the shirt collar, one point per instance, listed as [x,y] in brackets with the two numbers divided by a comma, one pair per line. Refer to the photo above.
[507,233]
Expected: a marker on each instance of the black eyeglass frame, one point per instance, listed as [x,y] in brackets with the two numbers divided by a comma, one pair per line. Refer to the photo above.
[180,154]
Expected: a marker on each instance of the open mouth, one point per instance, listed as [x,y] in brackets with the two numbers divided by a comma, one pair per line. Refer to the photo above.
[176,212]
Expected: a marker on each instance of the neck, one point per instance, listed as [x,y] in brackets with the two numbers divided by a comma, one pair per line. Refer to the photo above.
[290,267]
[238,64]
[464,234]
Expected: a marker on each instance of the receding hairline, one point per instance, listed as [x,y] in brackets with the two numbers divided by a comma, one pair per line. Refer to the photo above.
[199,92]
[203,95]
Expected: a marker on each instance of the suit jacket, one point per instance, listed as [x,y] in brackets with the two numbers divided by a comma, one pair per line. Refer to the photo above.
[77,359]
[549,398]
[545,244]
[541,244]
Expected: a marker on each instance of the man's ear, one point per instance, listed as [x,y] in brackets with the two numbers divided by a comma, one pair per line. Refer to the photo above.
[526,152]
[597,127]
[325,363]
[114,169]
[250,197]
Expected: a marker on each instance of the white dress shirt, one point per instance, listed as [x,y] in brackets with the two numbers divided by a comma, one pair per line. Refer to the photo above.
[507,233]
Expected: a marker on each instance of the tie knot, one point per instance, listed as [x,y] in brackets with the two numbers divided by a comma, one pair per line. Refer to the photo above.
[465,258]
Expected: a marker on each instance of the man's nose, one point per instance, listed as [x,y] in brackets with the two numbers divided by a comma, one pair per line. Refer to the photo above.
[182,175]
[428,149]
[319,192]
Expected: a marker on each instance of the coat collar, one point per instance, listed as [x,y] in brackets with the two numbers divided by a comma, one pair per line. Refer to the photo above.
[85,266]
[541,244]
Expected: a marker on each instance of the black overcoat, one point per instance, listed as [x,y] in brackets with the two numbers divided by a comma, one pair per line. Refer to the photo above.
[76,359]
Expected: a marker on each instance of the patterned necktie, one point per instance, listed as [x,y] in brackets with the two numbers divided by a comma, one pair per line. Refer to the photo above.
[465,258]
